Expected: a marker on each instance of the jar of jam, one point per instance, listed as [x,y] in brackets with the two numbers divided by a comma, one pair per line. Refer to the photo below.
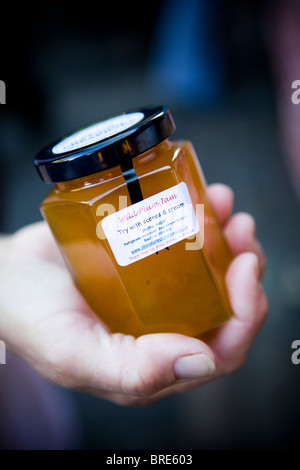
[129,211]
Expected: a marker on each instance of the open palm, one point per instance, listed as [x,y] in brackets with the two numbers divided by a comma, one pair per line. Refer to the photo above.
[46,320]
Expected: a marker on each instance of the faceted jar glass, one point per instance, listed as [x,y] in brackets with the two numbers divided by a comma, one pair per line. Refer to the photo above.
[180,289]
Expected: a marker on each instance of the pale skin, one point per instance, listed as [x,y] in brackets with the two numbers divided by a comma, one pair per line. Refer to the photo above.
[45,320]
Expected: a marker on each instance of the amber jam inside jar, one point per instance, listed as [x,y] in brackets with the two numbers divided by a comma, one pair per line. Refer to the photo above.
[130,213]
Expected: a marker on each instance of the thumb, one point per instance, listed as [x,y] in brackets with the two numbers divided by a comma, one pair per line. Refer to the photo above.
[144,366]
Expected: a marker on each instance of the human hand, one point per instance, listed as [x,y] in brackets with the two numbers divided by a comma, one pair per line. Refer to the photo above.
[45,320]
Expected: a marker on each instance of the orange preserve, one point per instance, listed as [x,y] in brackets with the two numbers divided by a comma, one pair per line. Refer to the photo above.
[129,210]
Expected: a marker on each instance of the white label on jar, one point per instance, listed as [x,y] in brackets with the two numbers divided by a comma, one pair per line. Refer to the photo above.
[151,225]
[97,132]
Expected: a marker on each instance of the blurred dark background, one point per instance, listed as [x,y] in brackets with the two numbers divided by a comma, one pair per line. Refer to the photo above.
[215,64]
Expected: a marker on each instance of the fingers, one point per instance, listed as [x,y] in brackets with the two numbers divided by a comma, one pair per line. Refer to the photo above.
[221,198]
[240,232]
[86,356]
[240,229]
[155,366]
[250,307]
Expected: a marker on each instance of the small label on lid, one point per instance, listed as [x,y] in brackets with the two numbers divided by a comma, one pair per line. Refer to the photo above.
[97,132]
[151,225]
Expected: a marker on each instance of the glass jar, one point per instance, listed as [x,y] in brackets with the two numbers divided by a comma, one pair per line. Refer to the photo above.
[130,213]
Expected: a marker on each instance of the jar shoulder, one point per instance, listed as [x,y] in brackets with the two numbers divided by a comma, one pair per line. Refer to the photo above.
[169,156]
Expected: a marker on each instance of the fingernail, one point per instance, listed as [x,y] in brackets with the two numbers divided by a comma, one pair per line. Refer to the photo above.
[195,366]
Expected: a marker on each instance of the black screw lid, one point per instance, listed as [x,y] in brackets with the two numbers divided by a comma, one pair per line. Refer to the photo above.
[104,144]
